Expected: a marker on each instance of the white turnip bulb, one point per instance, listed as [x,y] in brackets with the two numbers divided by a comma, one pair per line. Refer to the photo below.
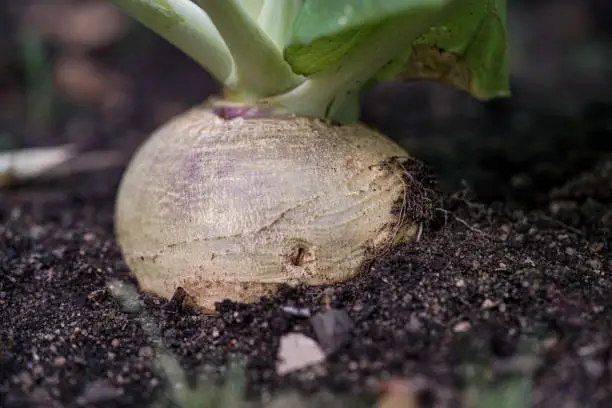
[231,208]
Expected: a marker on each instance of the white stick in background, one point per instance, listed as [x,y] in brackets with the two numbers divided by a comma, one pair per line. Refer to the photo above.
[52,162]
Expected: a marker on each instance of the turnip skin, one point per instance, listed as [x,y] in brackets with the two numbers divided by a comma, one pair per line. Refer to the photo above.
[234,208]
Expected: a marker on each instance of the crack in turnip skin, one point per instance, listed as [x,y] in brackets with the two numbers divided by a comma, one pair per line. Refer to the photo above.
[208,203]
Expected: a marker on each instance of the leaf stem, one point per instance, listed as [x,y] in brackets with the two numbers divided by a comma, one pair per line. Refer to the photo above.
[332,93]
[260,69]
[276,19]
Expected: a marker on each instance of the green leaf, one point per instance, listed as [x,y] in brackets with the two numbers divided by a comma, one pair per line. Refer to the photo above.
[324,31]
[324,18]
[465,46]
[314,57]
[466,49]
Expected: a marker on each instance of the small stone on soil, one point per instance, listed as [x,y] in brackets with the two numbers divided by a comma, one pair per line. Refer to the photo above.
[297,351]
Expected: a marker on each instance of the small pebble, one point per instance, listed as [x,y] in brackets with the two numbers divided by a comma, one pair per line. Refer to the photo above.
[59,361]
[462,327]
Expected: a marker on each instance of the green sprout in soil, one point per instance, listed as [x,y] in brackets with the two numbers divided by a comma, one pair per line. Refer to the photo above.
[206,393]
[491,381]
[275,181]
[6,141]
[510,391]
[41,99]
[484,389]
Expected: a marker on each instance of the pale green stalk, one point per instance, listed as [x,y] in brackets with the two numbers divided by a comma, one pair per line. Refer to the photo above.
[241,42]
[260,69]
[276,19]
[251,7]
[188,28]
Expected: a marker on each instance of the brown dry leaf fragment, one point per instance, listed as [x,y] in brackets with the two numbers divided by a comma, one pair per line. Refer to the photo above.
[397,394]
[181,301]
[437,65]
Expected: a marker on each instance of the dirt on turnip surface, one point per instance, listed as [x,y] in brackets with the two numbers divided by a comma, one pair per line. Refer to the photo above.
[514,272]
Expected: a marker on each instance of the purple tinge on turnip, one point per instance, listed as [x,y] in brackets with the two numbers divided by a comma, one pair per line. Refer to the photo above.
[276,182]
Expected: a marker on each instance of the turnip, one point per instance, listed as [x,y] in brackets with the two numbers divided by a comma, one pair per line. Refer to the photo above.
[275,181]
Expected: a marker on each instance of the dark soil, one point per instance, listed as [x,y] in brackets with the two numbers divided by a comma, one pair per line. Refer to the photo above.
[517,262]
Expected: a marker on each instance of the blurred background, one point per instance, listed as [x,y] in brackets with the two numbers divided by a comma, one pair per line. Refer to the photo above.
[79,71]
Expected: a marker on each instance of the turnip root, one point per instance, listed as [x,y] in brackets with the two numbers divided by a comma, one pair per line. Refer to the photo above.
[231,208]
[278,182]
